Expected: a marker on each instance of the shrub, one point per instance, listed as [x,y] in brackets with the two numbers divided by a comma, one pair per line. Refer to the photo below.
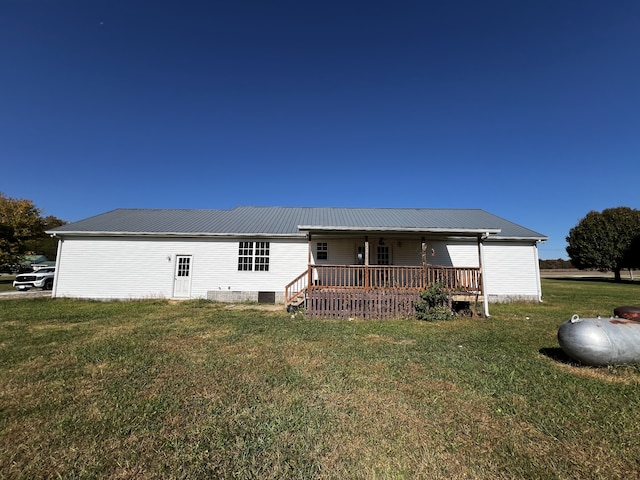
[434,304]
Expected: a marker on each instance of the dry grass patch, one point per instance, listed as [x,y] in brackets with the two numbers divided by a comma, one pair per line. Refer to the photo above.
[385,339]
[627,375]
[199,390]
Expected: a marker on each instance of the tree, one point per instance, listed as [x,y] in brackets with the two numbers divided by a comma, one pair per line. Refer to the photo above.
[44,244]
[606,241]
[632,256]
[22,230]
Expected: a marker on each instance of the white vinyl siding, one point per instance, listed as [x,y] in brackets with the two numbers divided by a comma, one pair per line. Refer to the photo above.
[344,251]
[404,252]
[463,254]
[339,252]
[510,271]
[124,268]
[127,268]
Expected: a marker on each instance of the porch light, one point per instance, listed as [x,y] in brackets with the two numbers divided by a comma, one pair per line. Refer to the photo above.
[381,241]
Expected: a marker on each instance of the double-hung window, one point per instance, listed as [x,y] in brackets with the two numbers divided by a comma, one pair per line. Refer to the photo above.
[261,259]
[322,251]
[253,256]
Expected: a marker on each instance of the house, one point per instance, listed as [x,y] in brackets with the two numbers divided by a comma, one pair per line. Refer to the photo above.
[335,261]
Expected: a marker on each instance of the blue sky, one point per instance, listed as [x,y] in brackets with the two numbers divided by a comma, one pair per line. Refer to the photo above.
[527,109]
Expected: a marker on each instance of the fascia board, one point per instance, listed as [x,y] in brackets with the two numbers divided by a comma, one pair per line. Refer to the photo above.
[442,231]
[173,234]
[537,239]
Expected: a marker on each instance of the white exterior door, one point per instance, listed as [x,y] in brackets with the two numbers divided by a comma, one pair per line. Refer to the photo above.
[182,278]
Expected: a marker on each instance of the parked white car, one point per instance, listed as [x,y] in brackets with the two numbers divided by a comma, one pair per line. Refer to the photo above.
[42,278]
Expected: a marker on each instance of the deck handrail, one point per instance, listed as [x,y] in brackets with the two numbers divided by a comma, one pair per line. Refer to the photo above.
[453,279]
[296,286]
[374,290]
[462,279]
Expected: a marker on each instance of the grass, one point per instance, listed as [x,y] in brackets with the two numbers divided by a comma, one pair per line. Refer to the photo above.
[153,389]
[6,282]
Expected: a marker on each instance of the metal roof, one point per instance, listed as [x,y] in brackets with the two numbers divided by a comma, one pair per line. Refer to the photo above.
[295,221]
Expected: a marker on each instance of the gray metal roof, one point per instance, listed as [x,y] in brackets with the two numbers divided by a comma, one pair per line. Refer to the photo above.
[295,221]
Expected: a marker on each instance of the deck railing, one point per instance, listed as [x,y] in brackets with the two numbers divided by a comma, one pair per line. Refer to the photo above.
[454,279]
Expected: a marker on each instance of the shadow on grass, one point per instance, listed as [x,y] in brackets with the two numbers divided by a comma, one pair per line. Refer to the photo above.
[558,355]
[595,280]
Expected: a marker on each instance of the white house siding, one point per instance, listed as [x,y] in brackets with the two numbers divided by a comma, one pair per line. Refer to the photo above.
[511,272]
[339,251]
[459,253]
[127,268]
[462,254]
[343,251]
[406,251]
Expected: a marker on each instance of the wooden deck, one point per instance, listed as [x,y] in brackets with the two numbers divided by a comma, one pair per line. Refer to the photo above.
[360,291]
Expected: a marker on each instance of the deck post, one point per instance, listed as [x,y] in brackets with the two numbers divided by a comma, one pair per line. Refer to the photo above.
[309,270]
[423,250]
[366,262]
[485,300]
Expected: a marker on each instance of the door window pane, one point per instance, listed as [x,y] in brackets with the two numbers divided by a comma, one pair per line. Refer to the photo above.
[183,266]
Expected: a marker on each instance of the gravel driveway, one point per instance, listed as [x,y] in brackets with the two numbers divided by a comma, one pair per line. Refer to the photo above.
[33,293]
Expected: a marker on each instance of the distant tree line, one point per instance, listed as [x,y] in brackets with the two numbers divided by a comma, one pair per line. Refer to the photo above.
[22,232]
[556,264]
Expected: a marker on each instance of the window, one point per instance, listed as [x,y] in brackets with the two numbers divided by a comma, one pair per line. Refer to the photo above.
[383,255]
[183,266]
[322,251]
[253,256]
[262,257]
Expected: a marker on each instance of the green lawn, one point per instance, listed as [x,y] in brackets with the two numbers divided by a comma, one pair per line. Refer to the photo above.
[6,282]
[156,389]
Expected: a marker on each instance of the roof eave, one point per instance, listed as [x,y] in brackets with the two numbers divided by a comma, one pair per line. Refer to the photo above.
[171,234]
[437,230]
[514,238]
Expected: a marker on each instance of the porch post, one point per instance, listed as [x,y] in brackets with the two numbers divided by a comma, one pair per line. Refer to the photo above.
[485,299]
[423,250]
[366,262]
[537,267]
[309,274]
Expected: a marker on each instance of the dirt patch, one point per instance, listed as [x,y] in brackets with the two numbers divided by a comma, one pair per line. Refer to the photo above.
[256,306]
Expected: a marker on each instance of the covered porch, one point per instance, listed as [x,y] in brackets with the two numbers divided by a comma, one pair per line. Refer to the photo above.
[373,286]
